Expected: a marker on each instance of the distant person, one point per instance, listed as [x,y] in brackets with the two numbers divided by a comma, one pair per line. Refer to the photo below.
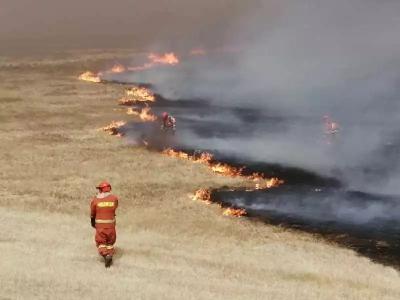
[330,126]
[331,129]
[102,216]
[168,122]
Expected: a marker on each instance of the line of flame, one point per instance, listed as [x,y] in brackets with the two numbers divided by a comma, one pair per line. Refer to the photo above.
[204,195]
[261,182]
[137,94]
[170,59]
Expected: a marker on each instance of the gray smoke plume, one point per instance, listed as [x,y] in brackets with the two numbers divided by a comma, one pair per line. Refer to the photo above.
[301,60]
[335,207]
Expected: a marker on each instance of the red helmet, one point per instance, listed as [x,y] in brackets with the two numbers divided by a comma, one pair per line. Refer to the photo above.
[165,115]
[104,186]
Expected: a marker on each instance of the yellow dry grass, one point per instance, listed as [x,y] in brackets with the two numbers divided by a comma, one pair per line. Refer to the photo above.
[169,247]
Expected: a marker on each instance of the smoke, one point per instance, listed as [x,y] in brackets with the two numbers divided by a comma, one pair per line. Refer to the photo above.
[300,60]
[338,207]
[263,98]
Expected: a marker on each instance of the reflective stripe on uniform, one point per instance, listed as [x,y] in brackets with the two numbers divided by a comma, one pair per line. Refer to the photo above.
[105,204]
[109,247]
[100,221]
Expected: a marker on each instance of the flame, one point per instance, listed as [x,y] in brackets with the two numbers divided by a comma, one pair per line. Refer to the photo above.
[144,114]
[204,157]
[234,212]
[259,179]
[178,154]
[267,183]
[113,127]
[226,170]
[154,59]
[140,93]
[203,195]
[118,68]
[137,94]
[166,59]
[90,76]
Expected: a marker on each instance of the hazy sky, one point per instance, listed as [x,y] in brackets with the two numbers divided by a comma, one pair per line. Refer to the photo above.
[123,22]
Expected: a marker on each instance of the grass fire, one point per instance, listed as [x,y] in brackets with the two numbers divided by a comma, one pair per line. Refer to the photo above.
[144,114]
[200,149]
[113,128]
[154,60]
[90,76]
[137,94]
[258,178]
[204,195]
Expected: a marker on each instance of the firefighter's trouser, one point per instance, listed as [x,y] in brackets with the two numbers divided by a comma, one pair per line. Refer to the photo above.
[105,239]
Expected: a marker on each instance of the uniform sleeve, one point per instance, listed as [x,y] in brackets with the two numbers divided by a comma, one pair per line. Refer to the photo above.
[92,209]
[116,203]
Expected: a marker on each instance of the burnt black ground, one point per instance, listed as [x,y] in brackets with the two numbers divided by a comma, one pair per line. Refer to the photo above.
[337,215]
[308,201]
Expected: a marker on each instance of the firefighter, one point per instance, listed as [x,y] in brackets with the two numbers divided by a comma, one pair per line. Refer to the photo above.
[102,217]
[330,127]
[168,122]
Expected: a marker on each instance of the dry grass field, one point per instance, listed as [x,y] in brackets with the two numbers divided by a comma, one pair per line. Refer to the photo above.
[169,247]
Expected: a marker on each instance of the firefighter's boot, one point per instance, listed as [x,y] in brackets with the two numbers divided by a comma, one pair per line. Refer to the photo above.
[108,261]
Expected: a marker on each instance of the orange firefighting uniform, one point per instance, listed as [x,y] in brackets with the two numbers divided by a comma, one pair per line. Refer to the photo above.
[102,209]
